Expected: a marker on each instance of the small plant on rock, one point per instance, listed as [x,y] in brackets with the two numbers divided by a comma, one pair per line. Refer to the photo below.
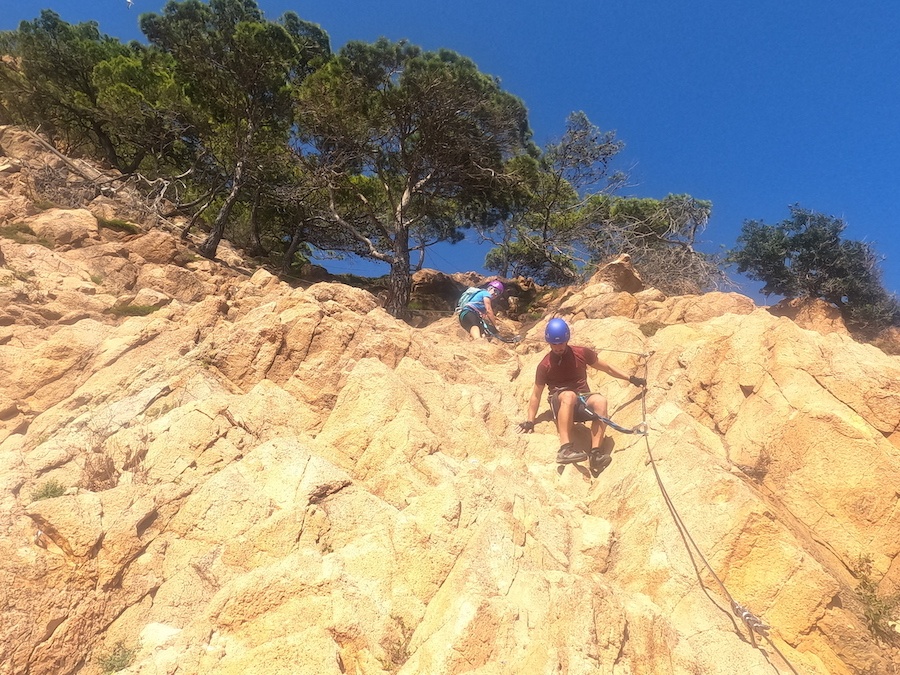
[649,329]
[23,234]
[878,611]
[118,658]
[44,204]
[119,225]
[133,310]
[48,490]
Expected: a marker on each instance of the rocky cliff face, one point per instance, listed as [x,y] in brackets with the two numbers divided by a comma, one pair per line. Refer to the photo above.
[208,471]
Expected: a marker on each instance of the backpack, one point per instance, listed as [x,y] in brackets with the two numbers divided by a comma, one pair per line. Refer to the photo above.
[466,297]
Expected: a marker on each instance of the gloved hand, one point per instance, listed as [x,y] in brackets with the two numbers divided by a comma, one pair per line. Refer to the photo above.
[526,427]
[637,381]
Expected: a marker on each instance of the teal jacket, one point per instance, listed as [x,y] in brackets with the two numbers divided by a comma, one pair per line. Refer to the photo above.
[476,304]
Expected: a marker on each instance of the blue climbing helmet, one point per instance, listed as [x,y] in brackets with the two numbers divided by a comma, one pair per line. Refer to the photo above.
[557,332]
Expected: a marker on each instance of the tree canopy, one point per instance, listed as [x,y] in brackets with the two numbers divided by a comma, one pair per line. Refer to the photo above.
[237,69]
[542,227]
[563,218]
[806,255]
[660,236]
[380,151]
[405,144]
[51,82]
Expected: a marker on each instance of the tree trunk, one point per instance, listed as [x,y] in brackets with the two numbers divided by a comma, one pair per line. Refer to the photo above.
[399,282]
[135,162]
[256,247]
[193,221]
[291,250]
[421,263]
[211,243]
[504,269]
[107,147]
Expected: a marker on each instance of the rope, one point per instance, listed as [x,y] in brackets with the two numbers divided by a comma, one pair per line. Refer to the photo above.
[639,429]
[624,351]
[493,332]
[754,624]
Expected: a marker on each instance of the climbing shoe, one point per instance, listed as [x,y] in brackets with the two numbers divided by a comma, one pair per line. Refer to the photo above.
[568,454]
[599,461]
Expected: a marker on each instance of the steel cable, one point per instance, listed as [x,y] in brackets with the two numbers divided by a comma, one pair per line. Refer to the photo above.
[753,623]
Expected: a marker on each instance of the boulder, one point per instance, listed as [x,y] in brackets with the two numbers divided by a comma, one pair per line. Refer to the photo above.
[811,313]
[70,227]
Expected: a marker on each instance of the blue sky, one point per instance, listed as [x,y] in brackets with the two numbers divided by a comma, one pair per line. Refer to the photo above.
[753,106]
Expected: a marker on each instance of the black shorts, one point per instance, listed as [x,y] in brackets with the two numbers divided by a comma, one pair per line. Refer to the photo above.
[468,318]
[582,414]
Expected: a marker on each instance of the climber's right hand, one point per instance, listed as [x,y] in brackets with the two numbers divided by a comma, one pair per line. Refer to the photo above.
[526,427]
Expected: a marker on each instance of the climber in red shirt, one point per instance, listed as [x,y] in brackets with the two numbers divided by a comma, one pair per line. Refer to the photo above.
[564,371]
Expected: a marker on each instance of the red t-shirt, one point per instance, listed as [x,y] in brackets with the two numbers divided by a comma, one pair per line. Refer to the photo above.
[566,371]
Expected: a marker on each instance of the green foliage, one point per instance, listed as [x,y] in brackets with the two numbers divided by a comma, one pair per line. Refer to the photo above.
[150,120]
[91,94]
[561,221]
[380,151]
[238,71]
[407,148]
[542,228]
[132,310]
[23,234]
[23,276]
[235,65]
[878,611]
[557,232]
[48,490]
[659,235]
[212,98]
[119,225]
[118,658]
[526,259]
[17,232]
[806,256]
[50,82]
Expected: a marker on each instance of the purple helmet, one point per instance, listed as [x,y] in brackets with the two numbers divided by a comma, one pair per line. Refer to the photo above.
[497,286]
